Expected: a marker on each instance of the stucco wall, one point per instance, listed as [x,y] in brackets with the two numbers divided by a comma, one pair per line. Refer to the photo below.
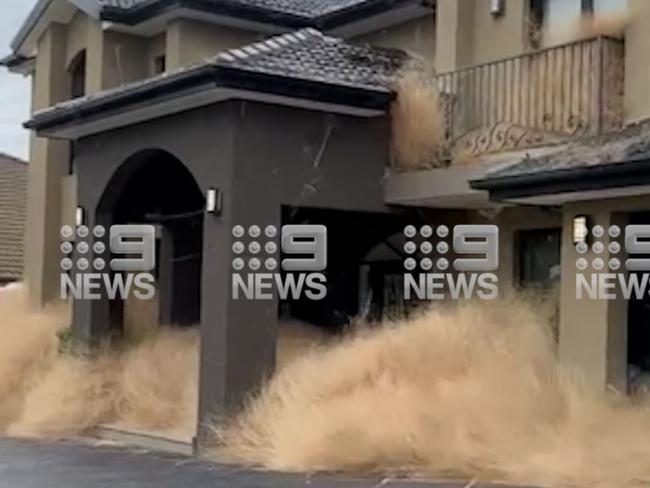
[468,34]
[125,59]
[637,67]
[415,36]
[48,163]
[498,37]
[190,41]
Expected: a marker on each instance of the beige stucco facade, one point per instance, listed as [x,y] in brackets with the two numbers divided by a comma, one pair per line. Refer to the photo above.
[469,34]
[191,41]
[637,67]
[417,37]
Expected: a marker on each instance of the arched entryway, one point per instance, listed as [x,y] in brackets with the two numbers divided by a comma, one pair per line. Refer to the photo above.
[154,187]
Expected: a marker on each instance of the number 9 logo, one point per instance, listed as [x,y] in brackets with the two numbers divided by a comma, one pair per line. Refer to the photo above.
[484,241]
[305,239]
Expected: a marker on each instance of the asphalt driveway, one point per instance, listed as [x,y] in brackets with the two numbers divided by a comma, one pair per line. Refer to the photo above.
[34,464]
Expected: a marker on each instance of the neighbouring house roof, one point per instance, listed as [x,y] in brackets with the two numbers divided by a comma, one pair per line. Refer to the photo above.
[13,206]
[304,65]
[612,160]
[268,15]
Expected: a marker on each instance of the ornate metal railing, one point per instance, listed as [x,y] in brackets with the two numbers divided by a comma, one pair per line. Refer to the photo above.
[561,92]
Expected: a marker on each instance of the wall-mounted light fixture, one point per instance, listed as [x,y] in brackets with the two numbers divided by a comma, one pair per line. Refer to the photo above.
[497,7]
[214,201]
[80,217]
[580,228]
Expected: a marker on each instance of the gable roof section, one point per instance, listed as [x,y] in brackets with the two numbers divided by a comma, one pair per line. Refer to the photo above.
[13,205]
[617,159]
[305,65]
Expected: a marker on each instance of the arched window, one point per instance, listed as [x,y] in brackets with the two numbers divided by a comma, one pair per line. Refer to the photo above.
[77,72]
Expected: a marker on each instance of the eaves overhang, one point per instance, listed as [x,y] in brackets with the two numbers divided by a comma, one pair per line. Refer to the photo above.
[16,63]
[545,186]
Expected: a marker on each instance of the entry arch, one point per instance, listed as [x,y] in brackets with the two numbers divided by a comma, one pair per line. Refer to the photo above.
[154,187]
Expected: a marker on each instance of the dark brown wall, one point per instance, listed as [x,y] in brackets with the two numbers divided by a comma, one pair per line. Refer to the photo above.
[261,157]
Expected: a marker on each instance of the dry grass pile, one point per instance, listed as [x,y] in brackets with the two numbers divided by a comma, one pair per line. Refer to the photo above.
[418,123]
[471,391]
[27,348]
[150,383]
[47,392]
[158,385]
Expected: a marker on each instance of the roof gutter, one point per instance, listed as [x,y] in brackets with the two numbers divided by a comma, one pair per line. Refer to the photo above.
[16,63]
[146,91]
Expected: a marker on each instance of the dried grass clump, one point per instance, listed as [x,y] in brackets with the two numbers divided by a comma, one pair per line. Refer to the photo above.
[418,123]
[158,384]
[471,391]
[27,348]
[48,392]
[148,384]
[74,395]
[295,339]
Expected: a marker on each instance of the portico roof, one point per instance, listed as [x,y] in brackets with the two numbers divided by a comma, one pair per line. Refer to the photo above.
[297,68]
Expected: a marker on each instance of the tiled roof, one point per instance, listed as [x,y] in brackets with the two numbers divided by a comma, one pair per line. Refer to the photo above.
[310,55]
[308,9]
[305,64]
[13,204]
[629,144]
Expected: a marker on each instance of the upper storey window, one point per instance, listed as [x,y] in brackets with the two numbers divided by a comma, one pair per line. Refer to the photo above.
[77,71]
[554,21]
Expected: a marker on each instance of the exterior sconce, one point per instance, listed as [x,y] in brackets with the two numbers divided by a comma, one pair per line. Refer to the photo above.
[214,202]
[80,216]
[497,7]
[580,229]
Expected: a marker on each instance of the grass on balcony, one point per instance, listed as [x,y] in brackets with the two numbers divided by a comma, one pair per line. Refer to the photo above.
[418,123]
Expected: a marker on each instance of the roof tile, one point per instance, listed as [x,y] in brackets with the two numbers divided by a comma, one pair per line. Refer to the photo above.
[629,144]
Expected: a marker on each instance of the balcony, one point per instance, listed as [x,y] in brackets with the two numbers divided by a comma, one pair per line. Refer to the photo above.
[538,98]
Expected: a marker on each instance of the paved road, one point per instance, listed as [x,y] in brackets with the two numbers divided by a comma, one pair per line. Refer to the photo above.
[28,464]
